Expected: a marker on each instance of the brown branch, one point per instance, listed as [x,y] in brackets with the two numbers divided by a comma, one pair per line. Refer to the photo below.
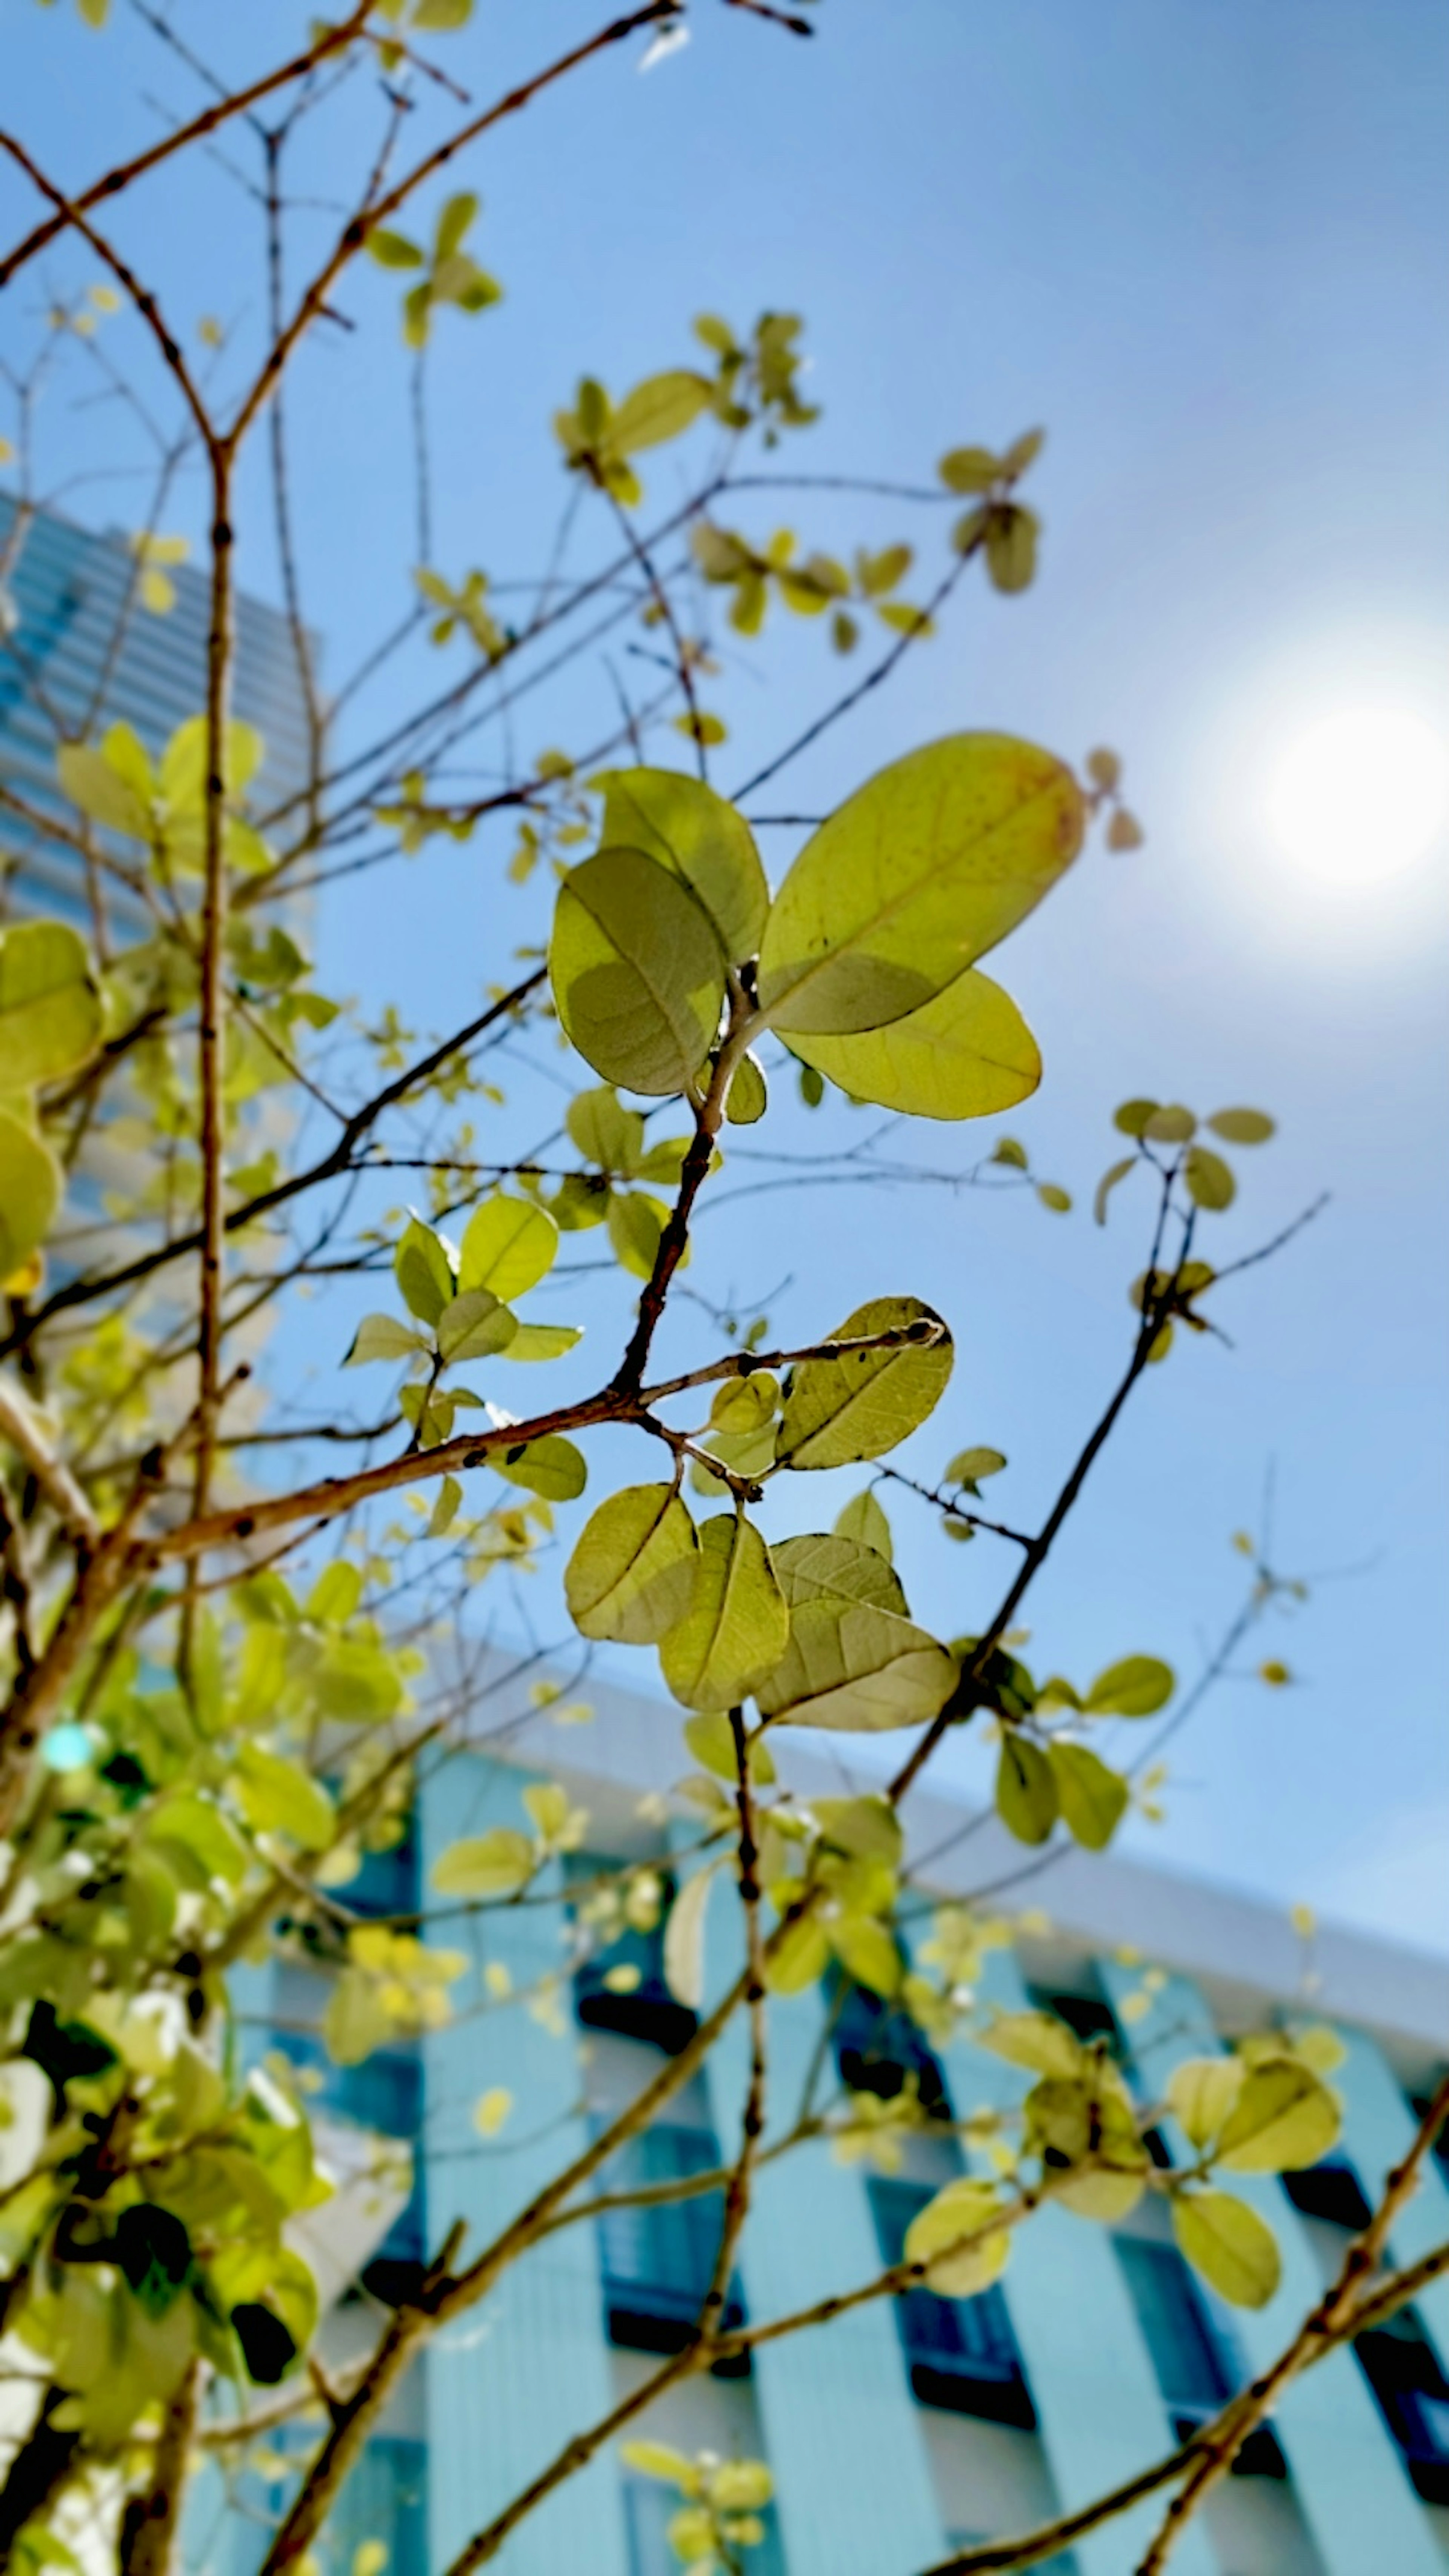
[151,2522]
[21,1427]
[377,212]
[1334,2316]
[328,41]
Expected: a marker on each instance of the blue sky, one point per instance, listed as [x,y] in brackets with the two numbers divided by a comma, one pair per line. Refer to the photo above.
[1203,242]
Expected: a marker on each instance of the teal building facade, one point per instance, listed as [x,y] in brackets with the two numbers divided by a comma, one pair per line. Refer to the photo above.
[910,2426]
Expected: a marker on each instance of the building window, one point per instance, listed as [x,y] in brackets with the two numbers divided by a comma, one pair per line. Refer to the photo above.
[1191,2349]
[959,2353]
[1399,2360]
[658,2260]
[879,2050]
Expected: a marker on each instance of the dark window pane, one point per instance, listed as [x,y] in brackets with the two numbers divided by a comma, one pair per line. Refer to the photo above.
[959,2353]
[658,2260]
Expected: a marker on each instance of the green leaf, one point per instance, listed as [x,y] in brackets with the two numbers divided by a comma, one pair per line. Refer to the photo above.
[491,1864]
[550,1466]
[200,1829]
[636,1222]
[970,1465]
[736,1627]
[1107,1184]
[660,408]
[50,1008]
[458,214]
[1092,1797]
[747,1098]
[31,1185]
[838,1411]
[1053,1196]
[688,829]
[1200,2092]
[867,1827]
[867,1952]
[638,974]
[656,2460]
[1283,2119]
[1133,1116]
[800,1961]
[1011,542]
[969,469]
[1210,1182]
[964,2210]
[1229,2244]
[117,796]
[508,1245]
[542,1341]
[278,1797]
[445,1509]
[1173,1125]
[356,2020]
[393,250]
[855,1662]
[966,1054]
[424,1271]
[382,1337]
[1027,1798]
[1242,1126]
[1137,1687]
[605,1132]
[914,878]
[631,1575]
[863,1520]
[684,1940]
[475,1325]
[1039,2041]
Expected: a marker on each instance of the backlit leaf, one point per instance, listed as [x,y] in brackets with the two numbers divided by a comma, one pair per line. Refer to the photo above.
[278,1797]
[691,831]
[863,1520]
[1284,2118]
[953,2235]
[747,1098]
[50,1007]
[1242,1126]
[1210,1182]
[854,1660]
[30,1192]
[632,1572]
[659,408]
[550,1466]
[1229,2244]
[914,878]
[736,1627]
[491,1864]
[856,1406]
[637,971]
[1200,2092]
[1092,1796]
[684,1940]
[1027,1797]
[424,1271]
[508,1245]
[383,1337]
[966,1054]
[1136,1687]
[474,1325]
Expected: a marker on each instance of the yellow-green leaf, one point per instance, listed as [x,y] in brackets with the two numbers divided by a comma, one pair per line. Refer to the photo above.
[854,1661]
[690,830]
[473,1325]
[864,1402]
[1234,2249]
[508,1245]
[966,1054]
[1027,1797]
[637,970]
[278,1797]
[914,878]
[863,1520]
[631,1575]
[50,1008]
[550,1466]
[747,1097]
[491,1864]
[1200,2092]
[684,1940]
[1092,1796]
[30,1193]
[1284,2118]
[658,409]
[736,1627]
[959,2269]
[1136,1687]
[1242,1126]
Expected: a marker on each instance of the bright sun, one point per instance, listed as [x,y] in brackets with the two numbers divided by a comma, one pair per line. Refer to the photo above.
[1361,795]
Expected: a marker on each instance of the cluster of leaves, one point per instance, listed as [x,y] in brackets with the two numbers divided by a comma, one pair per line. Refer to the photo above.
[723,2500]
[450,274]
[755,382]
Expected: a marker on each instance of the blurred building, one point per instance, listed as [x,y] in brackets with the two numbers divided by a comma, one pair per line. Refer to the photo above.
[912,2424]
[79,652]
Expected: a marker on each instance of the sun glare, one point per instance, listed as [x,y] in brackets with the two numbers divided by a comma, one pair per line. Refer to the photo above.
[1361,795]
